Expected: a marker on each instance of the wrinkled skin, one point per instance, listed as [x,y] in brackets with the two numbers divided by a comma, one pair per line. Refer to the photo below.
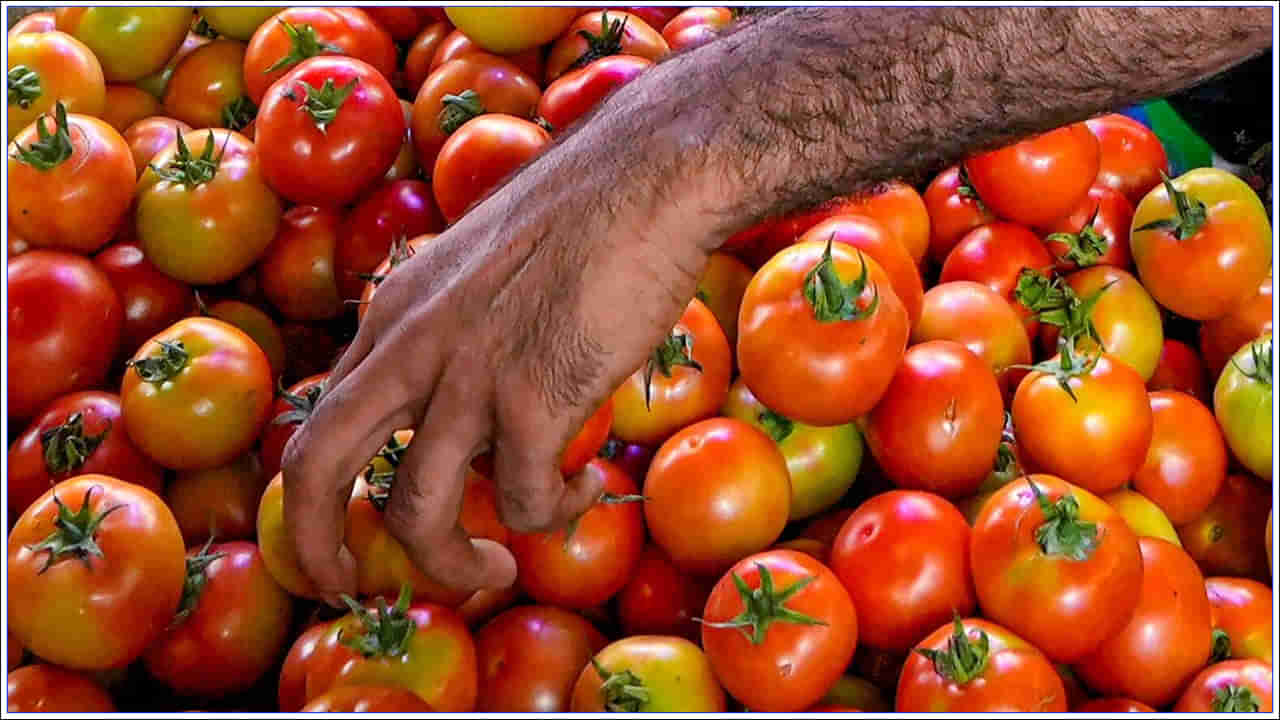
[61,69]
[530,657]
[1242,609]
[1228,537]
[674,671]
[1040,179]
[220,503]
[1187,460]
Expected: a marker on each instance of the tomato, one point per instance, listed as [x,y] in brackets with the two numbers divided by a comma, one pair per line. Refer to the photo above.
[1095,233]
[399,210]
[1271,525]
[633,459]
[900,209]
[219,503]
[291,690]
[70,182]
[977,666]
[1228,537]
[954,210]
[511,29]
[402,22]
[156,82]
[530,658]
[1113,705]
[1202,243]
[1241,611]
[400,251]
[986,323]
[822,462]
[418,59]
[1143,517]
[825,527]
[1221,338]
[1166,640]
[127,105]
[723,282]
[49,688]
[368,698]
[684,381]
[590,439]
[779,629]
[91,556]
[295,34]
[696,26]
[130,42]
[1187,459]
[655,674]
[459,43]
[196,395]
[14,652]
[63,328]
[204,210]
[255,323]
[1040,179]
[36,22]
[1131,157]
[996,255]
[152,301]
[290,410]
[590,561]
[298,271]
[658,599]
[328,128]
[149,136]
[483,605]
[479,156]
[717,491]
[1123,315]
[1056,565]
[1242,403]
[851,692]
[230,628]
[77,434]
[207,88]
[1179,368]
[1231,686]
[869,236]
[49,67]
[579,91]
[277,545]
[237,23]
[842,343]
[600,34]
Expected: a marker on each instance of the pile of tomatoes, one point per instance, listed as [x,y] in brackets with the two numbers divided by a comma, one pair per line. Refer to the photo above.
[1003,444]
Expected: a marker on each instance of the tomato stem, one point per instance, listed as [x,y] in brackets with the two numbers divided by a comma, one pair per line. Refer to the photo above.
[1062,532]
[675,351]
[194,582]
[1235,698]
[1189,214]
[52,149]
[777,426]
[204,29]
[763,606]
[963,659]
[456,110]
[302,404]
[622,691]
[608,42]
[303,44]
[323,103]
[189,170]
[163,365]
[73,532]
[831,299]
[380,482]
[386,633]
[23,86]
[237,114]
[1221,646]
[1260,353]
[66,447]
[1085,246]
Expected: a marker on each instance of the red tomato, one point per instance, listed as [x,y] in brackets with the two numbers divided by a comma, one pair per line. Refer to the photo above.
[658,599]
[716,492]
[1125,317]
[900,209]
[826,527]
[70,182]
[458,44]
[1038,180]
[152,301]
[14,652]
[577,92]
[684,381]
[220,503]
[368,698]
[1179,368]
[399,210]
[298,33]
[657,16]
[1242,621]
[1221,338]
[1166,640]
[291,690]
[484,604]
[290,410]
[401,250]
[207,88]
[954,209]
[600,34]
[63,329]
[842,342]
[255,323]
[50,67]
[127,105]
[297,272]
[975,666]
[761,243]
[230,628]
[78,434]
[49,688]
[869,236]
[995,255]
[405,166]
[130,42]
[1231,686]
[37,22]
[975,316]
[402,22]
[903,556]
[1228,537]
[92,556]
[327,129]
[1187,460]
[1113,705]
[696,26]
[1131,156]
[418,58]
[149,136]
[530,657]
[479,156]
[654,673]
[779,630]
[1055,564]
[590,439]
[723,282]
[1095,233]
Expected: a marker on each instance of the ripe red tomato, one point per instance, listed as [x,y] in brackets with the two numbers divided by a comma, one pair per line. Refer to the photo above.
[1038,180]
[512,29]
[36,22]
[954,210]
[1241,610]
[230,628]
[295,34]
[418,58]
[1202,243]
[63,329]
[843,340]
[92,556]
[49,67]
[976,666]
[208,88]
[1113,705]
[483,605]
[1125,317]
[70,182]
[996,255]
[1167,639]
[900,209]
[126,105]
[1179,368]
[129,42]
[1242,403]
[530,657]
[152,301]
[1187,459]
[656,16]
[368,698]
[327,129]
[290,410]
[590,439]
[479,156]
[684,381]
[779,630]
[869,236]
[48,688]
[903,556]
[14,652]
[600,34]
[577,92]
[1231,686]
[150,135]
[1131,157]
[1095,233]
[400,210]
[658,599]
[986,323]
[291,691]
[402,22]
[696,26]
[297,272]
[219,503]
[1228,537]
[401,250]
[1221,338]
[760,243]
[1056,565]
[655,673]
[717,491]
[458,44]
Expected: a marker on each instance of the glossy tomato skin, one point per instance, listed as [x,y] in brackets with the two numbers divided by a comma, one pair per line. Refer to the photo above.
[37,22]
[237,23]
[1017,677]
[98,430]
[151,300]
[1125,317]
[577,92]
[531,656]
[459,43]
[59,68]
[1112,216]
[1228,538]
[298,270]
[572,49]
[126,105]
[1187,460]
[831,372]
[973,315]
[758,244]
[696,26]
[207,88]
[72,612]
[291,691]
[389,263]
[130,42]
[869,236]
[328,162]
[155,83]
[1040,179]
[512,29]
[350,30]
[219,503]
[368,698]
[1221,338]
[658,599]
[280,428]
[150,135]
[1144,517]
[1242,401]
[48,688]
[723,282]
[403,23]
[1065,607]
[1179,368]
[903,557]
[674,671]
[64,324]
[1167,638]
[1113,705]
[418,58]
[900,209]
[78,204]
[479,156]
[995,255]
[399,210]
[277,550]
[1242,609]
[257,324]
[939,424]
[590,439]
[1131,157]
[794,664]
[1207,273]
[954,210]
[1204,694]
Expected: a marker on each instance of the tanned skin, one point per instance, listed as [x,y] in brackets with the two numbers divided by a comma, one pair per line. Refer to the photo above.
[512,326]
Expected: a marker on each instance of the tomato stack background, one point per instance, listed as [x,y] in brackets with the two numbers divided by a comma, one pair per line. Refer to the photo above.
[999,443]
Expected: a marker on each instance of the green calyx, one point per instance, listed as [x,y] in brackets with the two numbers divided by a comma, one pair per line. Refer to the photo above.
[457,109]
[303,44]
[237,114]
[831,299]
[301,405]
[1189,214]
[1070,363]
[963,659]
[622,691]
[400,251]
[606,498]
[204,29]
[1062,532]
[608,42]
[764,606]
[380,482]
[189,170]
[164,364]
[66,447]
[675,351]
[53,148]
[1055,303]
[778,427]
[197,577]
[966,189]
[24,86]
[324,102]
[1221,646]
[1235,698]
[73,532]
[385,633]
[1085,246]
[1260,353]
